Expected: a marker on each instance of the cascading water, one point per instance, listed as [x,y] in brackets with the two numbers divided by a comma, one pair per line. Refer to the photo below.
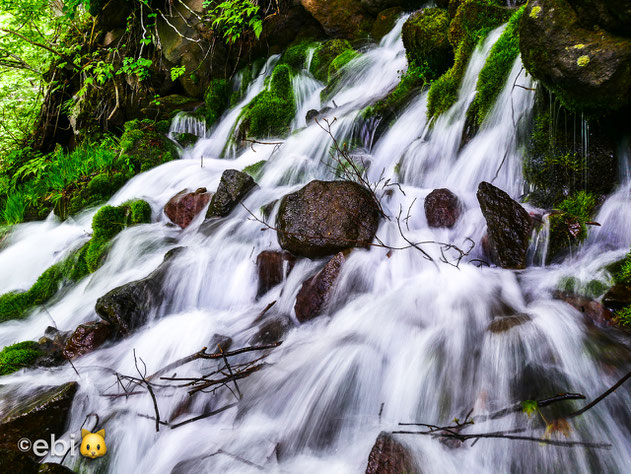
[405,339]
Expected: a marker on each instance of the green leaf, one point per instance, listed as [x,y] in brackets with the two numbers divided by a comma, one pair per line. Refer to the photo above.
[529,407]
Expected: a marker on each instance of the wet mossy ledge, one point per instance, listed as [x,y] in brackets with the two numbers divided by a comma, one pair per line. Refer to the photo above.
[108,222]
[18,356]
[33,185]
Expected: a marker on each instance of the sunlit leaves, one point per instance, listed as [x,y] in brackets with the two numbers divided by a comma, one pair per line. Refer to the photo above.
[528,407]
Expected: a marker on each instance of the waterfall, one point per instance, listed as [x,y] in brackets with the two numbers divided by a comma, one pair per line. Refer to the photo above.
[406,339]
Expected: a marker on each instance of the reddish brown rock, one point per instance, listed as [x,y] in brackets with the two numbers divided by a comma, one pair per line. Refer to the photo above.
[592,310]
[273,267]
[86,338]
[388,456]
[442,208]
[315,292]
[618,297]
[185,206]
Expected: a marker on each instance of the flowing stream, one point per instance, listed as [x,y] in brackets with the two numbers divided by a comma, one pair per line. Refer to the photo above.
[405,339]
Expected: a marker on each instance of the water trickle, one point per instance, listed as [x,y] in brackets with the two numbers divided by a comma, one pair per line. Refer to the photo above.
[404,339]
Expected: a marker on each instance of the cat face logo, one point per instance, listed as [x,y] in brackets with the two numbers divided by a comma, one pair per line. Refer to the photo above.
[93,444]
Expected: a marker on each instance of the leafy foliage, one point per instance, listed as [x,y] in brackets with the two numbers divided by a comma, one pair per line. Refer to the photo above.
[234,17]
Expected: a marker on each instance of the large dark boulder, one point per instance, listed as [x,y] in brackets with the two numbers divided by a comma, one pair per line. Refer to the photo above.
[86,338]
[610,15]
[388,456]
[509,226]
[233,187]
[315,293]
[340,18]
[273,267]
[128,306]
[589,69]
[325,217]
[442,208]
[426,41]
[185,206]
[38,416]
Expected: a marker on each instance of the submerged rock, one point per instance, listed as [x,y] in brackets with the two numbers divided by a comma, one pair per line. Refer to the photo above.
[315,292]
[509,226]
[128,306]
[593,311]
[86,338]
[273,267]
[588,67]
[388,456]
[505,323]
[185,206]
[442,208]
[233,187]
[325,217]
[38,416]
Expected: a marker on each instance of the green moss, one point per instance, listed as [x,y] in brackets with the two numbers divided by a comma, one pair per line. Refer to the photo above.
[296,55]
[592,289]
[425,37]
[270,113]
[324,55]
[106,224]
[144,146]
[623,317]
[216,99]
[340,61]
[495,72]
[255,169]
[569,227]
[473,21]
[18,356]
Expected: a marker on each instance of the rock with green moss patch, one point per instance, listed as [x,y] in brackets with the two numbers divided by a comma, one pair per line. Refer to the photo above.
[569,227]
[255,169]
[384,22]
[324,56]
[165,108]
[216,100]
[473,21]
[494,74]
[18,356]
[425,37]
[271,112]
[588,69]
[296,55]
[144,145]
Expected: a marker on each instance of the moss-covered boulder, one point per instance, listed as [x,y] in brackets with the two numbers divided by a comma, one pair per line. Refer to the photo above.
[324,55]
[568,227]
[144,145]
[425,37]
[473,20]
[296,55]
[611,15]
[216,100]
[106,224]
[588,69]
[340,18]
[18,356]
[38,416]
[271,112]
[494,74]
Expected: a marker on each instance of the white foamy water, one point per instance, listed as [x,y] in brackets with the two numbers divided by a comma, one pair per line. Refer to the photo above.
[404,340]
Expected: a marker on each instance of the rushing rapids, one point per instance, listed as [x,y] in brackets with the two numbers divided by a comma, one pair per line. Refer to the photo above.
[405,339]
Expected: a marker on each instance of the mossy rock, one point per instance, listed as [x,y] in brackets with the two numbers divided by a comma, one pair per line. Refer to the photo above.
[271,112]
[216,100]
[496,70]
[106,224]
[144,145]
[255,170]
[296,55]
[589,69]
[425,37]
[18,356]
[473,21]
[556,164]
[324,56]
[569,227]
